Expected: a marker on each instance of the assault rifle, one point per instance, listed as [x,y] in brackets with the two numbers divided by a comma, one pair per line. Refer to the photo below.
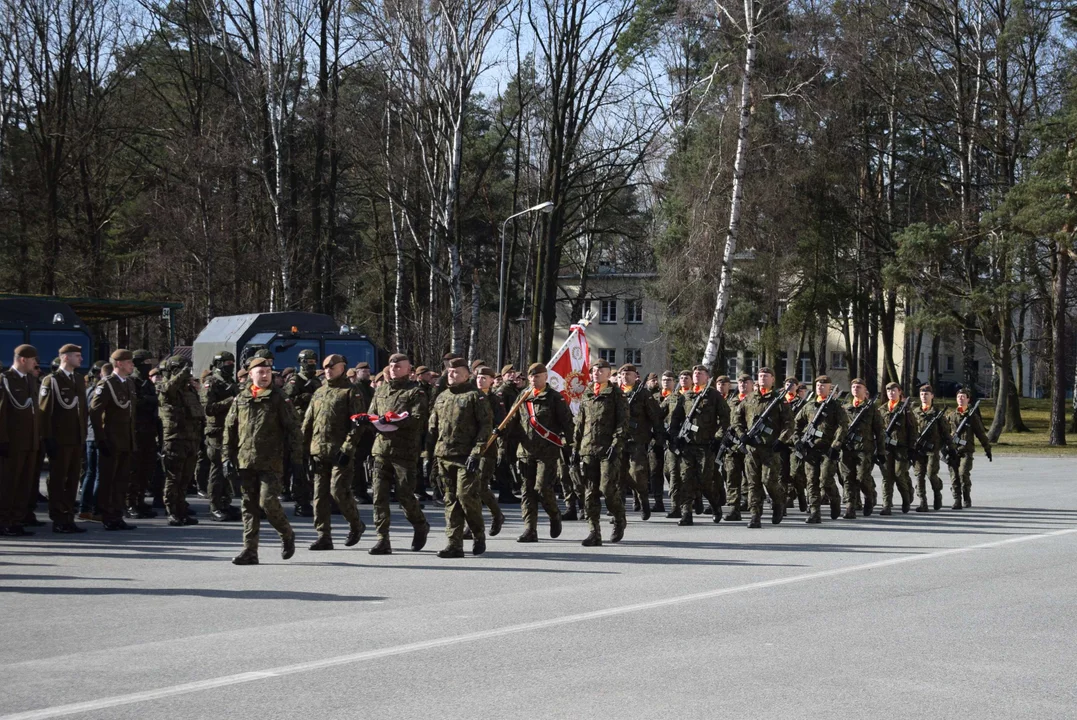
[760,426]
[923,444]
[688,426]
[804,447]
[799,403]
[852,435]
[891,441]
[959,438]
[728,444]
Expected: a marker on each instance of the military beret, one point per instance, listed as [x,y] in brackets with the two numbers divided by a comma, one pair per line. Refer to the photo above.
[684,373]
[458,363]
[701,368]
[536,369]
[484,370]
[857,381]
[333,360]
[928,388]
[823,379]
[287,371]
[600,364]
[448,356]
[350,373]
[363,366]
[120,355]
[258,362]
[422,369]
[744,377]
[397,358]
[791,381]
[265,354]
[99,364]
[137,357]
[892,386]
[963,390]
[628,367]
[507,369]
[669,374]
[722,379]
[26,351]
[476,364]
[70,348]
[765,370]
[652,376]
[241,374]
[379,377]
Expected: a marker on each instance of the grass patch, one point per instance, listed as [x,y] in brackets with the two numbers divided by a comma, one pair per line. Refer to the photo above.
[1037,416]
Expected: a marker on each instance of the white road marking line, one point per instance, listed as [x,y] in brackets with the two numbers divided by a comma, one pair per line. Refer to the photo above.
[238,679]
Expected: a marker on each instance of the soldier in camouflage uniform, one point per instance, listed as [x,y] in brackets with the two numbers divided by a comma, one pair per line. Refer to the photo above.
[711,419]
[361,462]
[182,419]
[961,476]
[460,424]
[330,437]
[821,448]
[218,392]
[762,465]
[395,452]
[656,454]
[863,449]
[508,391]
[147,432]
[673,410]
[300,389]
[484,379]
[926,461]
[598,442]
[734,461]
[260,422]
[644,422]
[899,432]
[546,426]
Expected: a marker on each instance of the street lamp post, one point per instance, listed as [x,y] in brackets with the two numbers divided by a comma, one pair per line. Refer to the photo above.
[541,207]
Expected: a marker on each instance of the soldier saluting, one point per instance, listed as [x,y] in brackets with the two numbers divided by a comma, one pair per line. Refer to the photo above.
[63,428]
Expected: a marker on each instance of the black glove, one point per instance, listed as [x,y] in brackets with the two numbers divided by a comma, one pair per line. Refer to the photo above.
[342,459]
[988,452]
[880,459]
[574,459]
[472,464]
[751,441]
[426,469]
[679,443]
[835,452]
[496,432]
[361,420]
[50,446]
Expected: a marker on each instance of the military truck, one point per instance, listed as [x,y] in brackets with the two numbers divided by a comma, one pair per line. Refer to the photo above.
[285,334]
[44,323]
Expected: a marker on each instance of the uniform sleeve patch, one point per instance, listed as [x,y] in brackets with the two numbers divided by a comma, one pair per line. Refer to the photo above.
[44,389]
[99,390]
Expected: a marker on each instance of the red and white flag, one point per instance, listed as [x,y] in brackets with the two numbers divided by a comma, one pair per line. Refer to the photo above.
[570,367]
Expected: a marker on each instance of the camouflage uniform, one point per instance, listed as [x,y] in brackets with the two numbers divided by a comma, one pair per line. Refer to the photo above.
[898,444]
[361,461]
[927,464]
[509,441]
[218,393]
[489,460]
[961,476]
[395,453]
[300,389]
[656,452]
[858,457]
[820,465]
[182,418]
[762,465]
[672,407]
[697,457]
[328,433]
[599,438]
[734,467]
[259,425]
[538,457]
[460,424]
[644,421]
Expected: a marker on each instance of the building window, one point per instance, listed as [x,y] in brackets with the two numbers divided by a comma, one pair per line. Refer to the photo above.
[949,363]
[805,368]
[837,360]
[607,312]
[731,366]
[633,311]
[608,354]
[751,364]
[920,367]
[634,356]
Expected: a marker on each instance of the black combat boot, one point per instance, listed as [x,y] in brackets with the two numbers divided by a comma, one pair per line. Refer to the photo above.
[303,510]
[777,513]
[835,506]
[355,534]
[756,521]
[922,507]
[733,515]
[247,557]
[686,520]
[496,524]
[968,498]
[570,514]
[418,539]
[324,542]
[618,533]
[850,512]
[287,547]
[938,499]
[479,546]
[802,500]
[381,547]
[957,503]
[885,510]
[555,525]
[594,539]
[814,519]
[451,552]
[646,509]
[529,536]
[674,514]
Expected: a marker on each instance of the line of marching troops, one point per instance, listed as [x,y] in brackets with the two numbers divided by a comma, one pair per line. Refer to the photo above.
[320,436]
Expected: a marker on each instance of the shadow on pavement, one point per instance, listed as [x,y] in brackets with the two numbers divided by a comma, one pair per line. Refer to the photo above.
[196,592]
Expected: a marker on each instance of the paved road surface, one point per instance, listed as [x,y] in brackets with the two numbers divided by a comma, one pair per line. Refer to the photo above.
[956,614]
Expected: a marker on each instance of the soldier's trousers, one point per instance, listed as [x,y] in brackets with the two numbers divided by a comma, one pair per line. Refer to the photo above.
[537,476]
[201,469]
[656,463]
[734,478]
[299,487]
[673,471]
[961,478]
[856,477]
[217,486]
[897,471]
[636,471]
[180,459]
[388,470]
[18,485]
[600,475]
[65,466]
[486,493]
[143,467]
[506,464]
[698,476]
[571,484]
[114,473]
[261,495]
[335,482]
[360,477]
[820,476]
[763,468]
[463,500]
[926,468]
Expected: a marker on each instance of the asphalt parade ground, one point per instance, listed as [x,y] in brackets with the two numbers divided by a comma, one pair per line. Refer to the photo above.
[950,614]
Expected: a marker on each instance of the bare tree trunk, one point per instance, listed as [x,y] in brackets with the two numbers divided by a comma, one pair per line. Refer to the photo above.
[1058,335]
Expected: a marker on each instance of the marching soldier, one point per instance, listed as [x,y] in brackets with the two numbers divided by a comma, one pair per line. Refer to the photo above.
[673,410]
[762,466]
[961,475]
[508,391]
[711,419]
[300,389]
[484,378]
[546,424]
[219,391]
[734,461]
[112,414]
[361,461]
[400,404]
[260,422]
[863,450]
[20,436]
[927,446]
[182,418]
[644,422]
[899,433]
[460,424]
[63,430]
[330,437]
[657,458]
[599,437]
[821,447]
[147,435]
